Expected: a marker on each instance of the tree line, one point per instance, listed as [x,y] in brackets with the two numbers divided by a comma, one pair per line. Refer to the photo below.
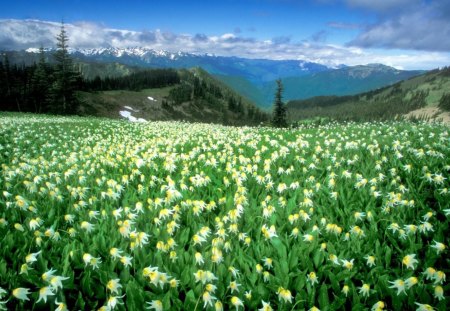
[136,81]
[51,86]
[197,90]
[41,88]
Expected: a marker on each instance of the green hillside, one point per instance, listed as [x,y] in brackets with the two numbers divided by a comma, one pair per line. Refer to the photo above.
[343,81]
[401,98]
[197,97]
[247,89]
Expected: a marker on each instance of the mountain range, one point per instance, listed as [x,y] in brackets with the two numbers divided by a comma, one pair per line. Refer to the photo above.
[252,78]
[418,97]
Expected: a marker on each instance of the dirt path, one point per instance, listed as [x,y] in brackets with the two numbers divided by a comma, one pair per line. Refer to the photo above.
[434,113]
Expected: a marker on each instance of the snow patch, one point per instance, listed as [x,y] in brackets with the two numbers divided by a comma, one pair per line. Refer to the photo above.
[130,108]
[32,50]
[151,98]
[127,115]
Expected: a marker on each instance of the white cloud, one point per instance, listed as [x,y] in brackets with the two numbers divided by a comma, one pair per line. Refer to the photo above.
[23,34]
[405,24]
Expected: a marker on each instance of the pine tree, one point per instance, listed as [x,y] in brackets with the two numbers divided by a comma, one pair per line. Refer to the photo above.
[40,84]
[64,99]
[279,109]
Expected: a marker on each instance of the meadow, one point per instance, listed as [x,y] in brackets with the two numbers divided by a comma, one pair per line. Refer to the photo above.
[97,214]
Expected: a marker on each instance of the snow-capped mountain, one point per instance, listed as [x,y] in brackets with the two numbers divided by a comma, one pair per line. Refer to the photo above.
[255,70]
[253,78]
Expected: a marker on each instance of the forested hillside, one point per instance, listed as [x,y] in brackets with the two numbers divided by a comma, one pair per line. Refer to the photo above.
[426,90]
[191,95]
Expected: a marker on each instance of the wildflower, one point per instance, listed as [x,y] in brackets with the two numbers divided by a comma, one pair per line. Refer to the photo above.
[113,301]
[294,232]
[409,261]
[370,260]
[284,294]
[334,259]
[378,306]
[218,306]
[56,281]
[210,287]
[268,262]
[19,227]
[24,269]
[199,259]
[312,277]
[411,281]
[258,268]
[44,292]
[61,306]
[266,276]
[427,216]
[347,264]
[114,286]
[266,306]
[234,271]
[345,290]
[269,233]
[47,275]
[204,276]
[359,216]
[207,299]
[126,260]
[314,308]
[155,305]
[248,295]
[234,286]
[364,290]
[394,227]
[424,307]
[21,293]
[92,261]
[198,239]
[429,273]
[439,277]
[69,218]
[35,223]
[93,214]
[438,292]
[308,238]
[439,247]
[115,252]
[87,226]
[235,301]
[399,285]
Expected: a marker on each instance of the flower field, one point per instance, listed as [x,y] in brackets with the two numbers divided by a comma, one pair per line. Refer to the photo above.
[110,215]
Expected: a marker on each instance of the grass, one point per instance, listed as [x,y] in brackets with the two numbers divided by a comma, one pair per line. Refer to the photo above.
[96,213]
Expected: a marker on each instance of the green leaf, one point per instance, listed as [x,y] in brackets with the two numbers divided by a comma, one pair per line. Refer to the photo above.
[318,258]
[387,257]
[279,247]
[80,304]
[324,301]
[293,258]
[86,283]
[262,291]
[185,277]
[190,301]
[166,301]
[284,268]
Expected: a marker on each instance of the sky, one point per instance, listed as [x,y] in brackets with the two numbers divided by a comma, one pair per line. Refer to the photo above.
[406,34]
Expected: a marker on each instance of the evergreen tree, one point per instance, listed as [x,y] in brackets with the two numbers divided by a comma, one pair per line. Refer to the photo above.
[40,85]
[279,109]
[64,99]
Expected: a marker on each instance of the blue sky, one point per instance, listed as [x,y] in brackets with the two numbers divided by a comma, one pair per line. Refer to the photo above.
[410,34]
